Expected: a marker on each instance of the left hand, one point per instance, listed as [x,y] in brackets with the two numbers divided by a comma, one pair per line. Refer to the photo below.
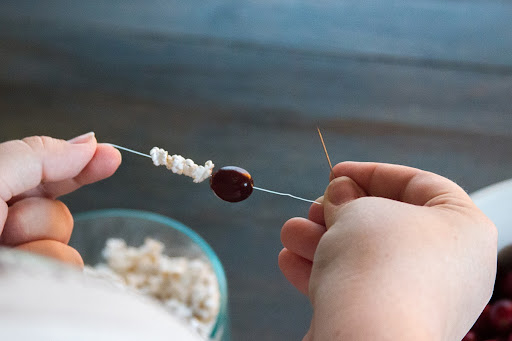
[33,173]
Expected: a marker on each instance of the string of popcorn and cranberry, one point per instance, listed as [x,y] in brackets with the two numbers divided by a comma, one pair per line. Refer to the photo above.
[229,183]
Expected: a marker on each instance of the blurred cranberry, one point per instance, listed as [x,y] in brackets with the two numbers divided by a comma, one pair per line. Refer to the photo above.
[500,315]
[482,325]
[470,336]
[506,285]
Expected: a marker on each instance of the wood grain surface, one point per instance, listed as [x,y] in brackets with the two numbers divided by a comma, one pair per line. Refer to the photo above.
[424,83]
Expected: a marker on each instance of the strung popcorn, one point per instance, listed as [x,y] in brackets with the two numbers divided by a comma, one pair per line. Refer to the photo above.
[179,165]
[229,183]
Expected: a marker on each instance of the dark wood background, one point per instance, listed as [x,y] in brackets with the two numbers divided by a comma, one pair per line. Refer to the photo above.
[425,83]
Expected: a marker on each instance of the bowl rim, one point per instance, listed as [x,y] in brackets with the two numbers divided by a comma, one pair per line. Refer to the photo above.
[161,219]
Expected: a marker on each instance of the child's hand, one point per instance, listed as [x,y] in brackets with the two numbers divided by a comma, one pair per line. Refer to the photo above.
[33,173]
[393,253]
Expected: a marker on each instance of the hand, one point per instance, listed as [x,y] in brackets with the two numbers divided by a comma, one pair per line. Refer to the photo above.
[33,173]
[393,253]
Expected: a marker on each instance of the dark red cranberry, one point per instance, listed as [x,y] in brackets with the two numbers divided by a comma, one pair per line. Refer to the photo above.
[500,315]
[506,285]
[232,183]
[482,325]
[470,336]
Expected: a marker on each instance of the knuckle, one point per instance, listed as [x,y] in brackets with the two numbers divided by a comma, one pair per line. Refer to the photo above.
[486,225]
[36,143]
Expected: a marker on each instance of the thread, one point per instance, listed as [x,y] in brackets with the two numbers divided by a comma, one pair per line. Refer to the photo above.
[285,194]
[257,188]
[128,150]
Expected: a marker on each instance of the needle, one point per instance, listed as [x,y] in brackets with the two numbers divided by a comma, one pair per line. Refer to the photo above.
[325,149]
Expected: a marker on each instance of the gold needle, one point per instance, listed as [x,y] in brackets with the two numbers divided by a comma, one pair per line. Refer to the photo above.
[325,149]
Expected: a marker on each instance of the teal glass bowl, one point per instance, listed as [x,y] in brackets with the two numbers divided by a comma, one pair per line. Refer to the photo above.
[92,230]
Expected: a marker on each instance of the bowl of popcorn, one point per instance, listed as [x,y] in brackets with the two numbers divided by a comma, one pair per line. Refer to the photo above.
[160,258]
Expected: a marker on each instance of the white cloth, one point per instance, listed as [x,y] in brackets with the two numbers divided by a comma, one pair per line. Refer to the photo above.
[42,299]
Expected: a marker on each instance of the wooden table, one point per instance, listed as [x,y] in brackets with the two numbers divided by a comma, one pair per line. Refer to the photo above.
[424,83]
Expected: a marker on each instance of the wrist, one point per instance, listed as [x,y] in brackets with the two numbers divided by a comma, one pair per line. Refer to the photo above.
[370,323]
[348,310]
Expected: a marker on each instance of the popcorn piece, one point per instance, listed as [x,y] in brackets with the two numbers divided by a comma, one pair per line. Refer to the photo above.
[187,288]
[159,156]
[179,308]
[179,165]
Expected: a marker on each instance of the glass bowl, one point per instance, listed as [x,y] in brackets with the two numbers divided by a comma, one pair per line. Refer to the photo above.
[93,229]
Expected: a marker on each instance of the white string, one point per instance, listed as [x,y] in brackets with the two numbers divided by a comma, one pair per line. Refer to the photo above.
[285,194]
[129,150]
[258,188]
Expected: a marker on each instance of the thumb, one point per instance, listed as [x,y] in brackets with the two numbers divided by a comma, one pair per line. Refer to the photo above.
[340,191]
[24,164]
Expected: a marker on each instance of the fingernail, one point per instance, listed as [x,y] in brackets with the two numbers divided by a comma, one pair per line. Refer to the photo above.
[82,138]
[338,192]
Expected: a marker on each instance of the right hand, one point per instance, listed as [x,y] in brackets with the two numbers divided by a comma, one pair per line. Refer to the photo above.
[392,253]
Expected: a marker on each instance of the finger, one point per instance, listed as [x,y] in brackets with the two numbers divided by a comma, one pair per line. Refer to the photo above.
[402,183]
[37,218]
[28,162]
[296,269]
[301,236]
[309,335]
[316,212]
[104,163]
[340,191]
[54,249]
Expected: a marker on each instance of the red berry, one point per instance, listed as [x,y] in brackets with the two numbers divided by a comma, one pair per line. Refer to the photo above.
[506,285]
[470,336]
[500,315]
[232,183]
[482,325]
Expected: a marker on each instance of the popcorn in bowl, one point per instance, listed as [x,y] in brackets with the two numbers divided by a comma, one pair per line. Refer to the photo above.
[186,287]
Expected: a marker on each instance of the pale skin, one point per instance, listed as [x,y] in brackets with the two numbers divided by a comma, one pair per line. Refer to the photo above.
[34,172]
[393,253]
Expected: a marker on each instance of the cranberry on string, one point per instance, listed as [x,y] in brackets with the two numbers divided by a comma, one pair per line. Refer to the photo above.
[232,183]
[229,183]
